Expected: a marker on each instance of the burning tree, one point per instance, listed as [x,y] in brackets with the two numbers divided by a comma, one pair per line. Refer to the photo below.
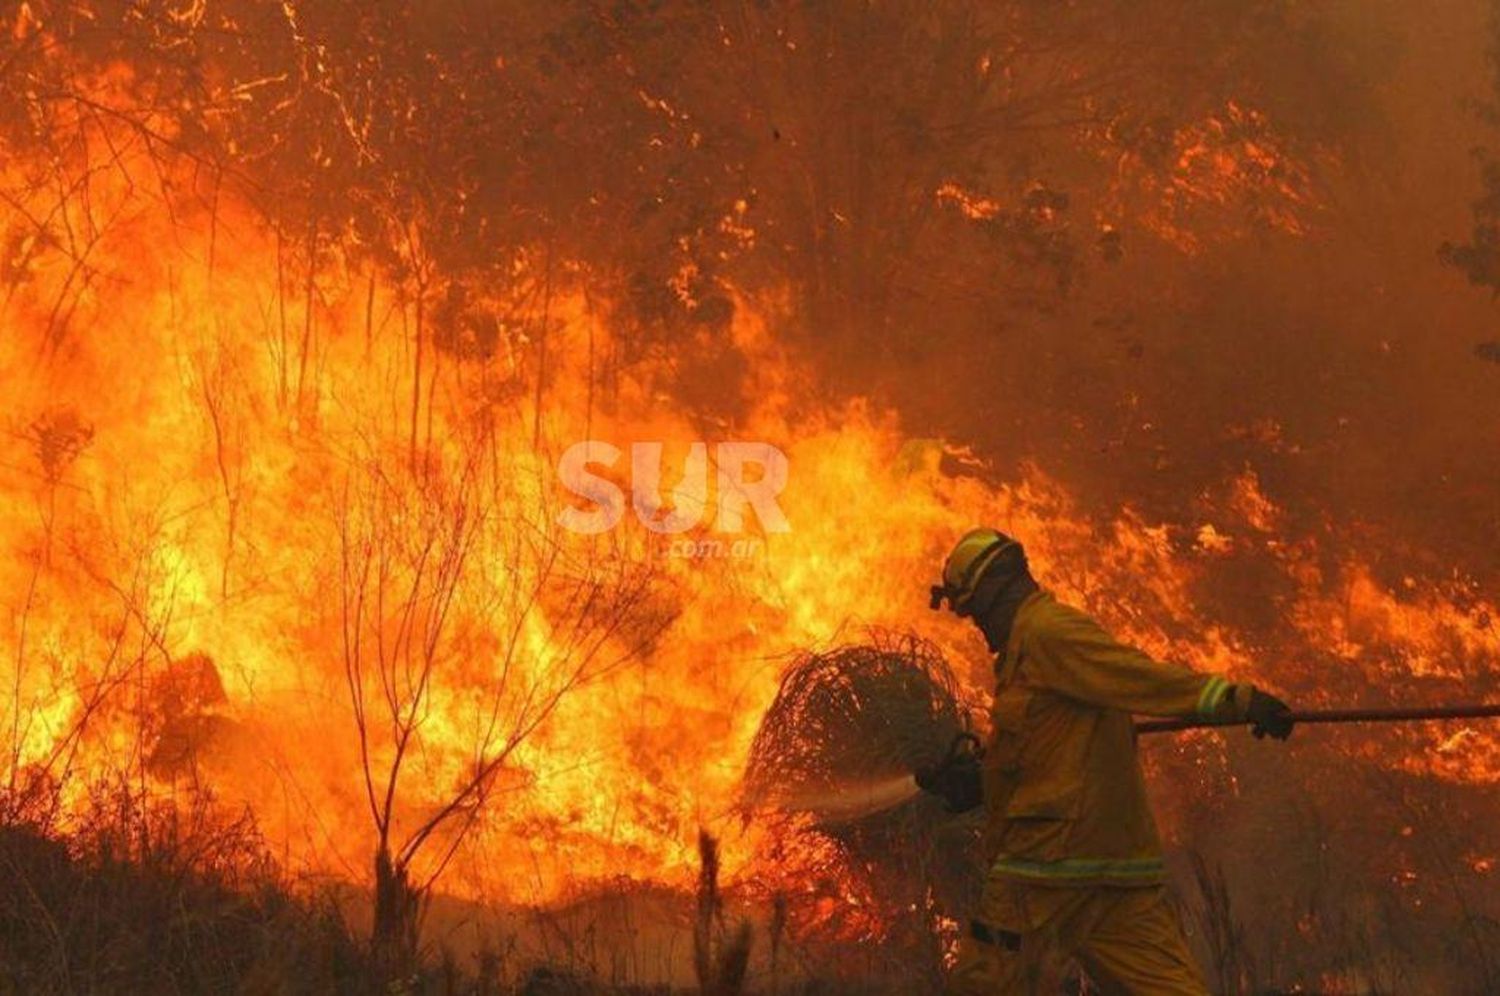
[465,624]
[66,680]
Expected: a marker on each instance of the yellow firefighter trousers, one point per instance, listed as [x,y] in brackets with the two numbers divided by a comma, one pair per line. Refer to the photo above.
[1128,940]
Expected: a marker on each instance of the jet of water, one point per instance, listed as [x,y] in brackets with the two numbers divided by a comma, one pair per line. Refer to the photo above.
[852,801]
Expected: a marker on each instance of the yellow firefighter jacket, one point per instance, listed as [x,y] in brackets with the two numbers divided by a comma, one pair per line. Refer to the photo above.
[1062,783]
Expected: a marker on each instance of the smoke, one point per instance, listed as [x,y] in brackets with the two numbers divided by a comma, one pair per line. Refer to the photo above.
[1336,361]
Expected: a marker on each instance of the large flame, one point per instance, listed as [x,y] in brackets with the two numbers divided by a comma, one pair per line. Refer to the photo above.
[213,455]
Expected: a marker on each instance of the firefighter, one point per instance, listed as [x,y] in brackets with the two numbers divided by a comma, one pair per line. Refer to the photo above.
[1074,859]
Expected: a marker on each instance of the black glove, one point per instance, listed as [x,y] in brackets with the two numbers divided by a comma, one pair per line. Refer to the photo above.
[1268,716]
[956,776]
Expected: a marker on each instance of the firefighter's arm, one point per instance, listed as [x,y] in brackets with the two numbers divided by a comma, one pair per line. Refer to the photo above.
[1074,656]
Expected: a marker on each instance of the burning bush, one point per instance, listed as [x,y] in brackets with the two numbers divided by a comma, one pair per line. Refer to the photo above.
[845,723]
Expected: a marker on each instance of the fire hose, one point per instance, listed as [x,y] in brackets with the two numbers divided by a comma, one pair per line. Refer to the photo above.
[957,780]
[1480,711]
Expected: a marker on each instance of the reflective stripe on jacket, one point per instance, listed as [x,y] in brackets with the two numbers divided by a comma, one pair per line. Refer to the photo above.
[1066,800]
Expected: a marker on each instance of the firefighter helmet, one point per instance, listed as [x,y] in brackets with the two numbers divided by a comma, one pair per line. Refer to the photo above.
[966,564]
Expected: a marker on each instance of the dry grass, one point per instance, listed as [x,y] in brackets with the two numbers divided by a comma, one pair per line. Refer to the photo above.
[148,899]
[855,713]
[848,716]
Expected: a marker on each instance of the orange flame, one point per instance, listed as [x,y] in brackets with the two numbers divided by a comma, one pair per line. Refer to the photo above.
[193,443]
